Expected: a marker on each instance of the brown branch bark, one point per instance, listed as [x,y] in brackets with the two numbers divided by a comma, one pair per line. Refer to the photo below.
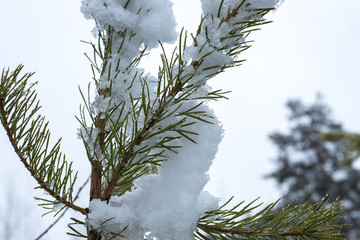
[38,179]
[94,235]
[95,185]
[96,169]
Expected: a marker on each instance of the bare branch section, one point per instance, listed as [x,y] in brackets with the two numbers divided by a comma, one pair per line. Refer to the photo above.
[30,138]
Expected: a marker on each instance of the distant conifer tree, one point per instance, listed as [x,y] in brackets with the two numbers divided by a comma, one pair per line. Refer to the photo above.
[316,158]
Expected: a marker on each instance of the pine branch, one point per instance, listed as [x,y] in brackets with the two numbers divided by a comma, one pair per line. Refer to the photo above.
[134,126]
[233,42]
[178,81]
[175,86]
[148,126]
[305,221]
[30,138]
[108,124]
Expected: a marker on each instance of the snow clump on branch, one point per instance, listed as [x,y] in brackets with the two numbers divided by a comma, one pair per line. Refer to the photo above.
[151,20]
[170,203]
[220,38]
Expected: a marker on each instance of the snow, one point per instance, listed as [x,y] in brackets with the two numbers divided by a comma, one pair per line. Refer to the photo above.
[212,6]
[264,3]
[339,175]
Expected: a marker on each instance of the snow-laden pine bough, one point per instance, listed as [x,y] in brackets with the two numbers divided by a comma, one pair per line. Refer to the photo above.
[150,140]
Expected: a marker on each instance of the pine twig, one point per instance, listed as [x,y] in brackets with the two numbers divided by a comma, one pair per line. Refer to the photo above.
[63,213]
[305,221]
[29,137]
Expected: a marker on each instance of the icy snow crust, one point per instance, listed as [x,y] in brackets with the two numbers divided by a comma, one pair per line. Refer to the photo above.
[167,205]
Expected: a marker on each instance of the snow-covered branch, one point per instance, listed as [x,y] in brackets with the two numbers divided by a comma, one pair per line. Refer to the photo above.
[151,140]
[140,121]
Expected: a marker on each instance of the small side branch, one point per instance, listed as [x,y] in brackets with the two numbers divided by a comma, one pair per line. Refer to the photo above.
[30,138]
[38,179]
[305,221]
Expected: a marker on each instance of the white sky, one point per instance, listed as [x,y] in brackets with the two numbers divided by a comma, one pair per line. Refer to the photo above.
[312,46]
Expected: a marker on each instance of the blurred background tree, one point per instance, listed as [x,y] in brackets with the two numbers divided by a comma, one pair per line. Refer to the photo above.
[318,157]
[16,212]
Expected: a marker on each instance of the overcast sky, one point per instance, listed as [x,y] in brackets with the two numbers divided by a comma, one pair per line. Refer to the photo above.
[312,46]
